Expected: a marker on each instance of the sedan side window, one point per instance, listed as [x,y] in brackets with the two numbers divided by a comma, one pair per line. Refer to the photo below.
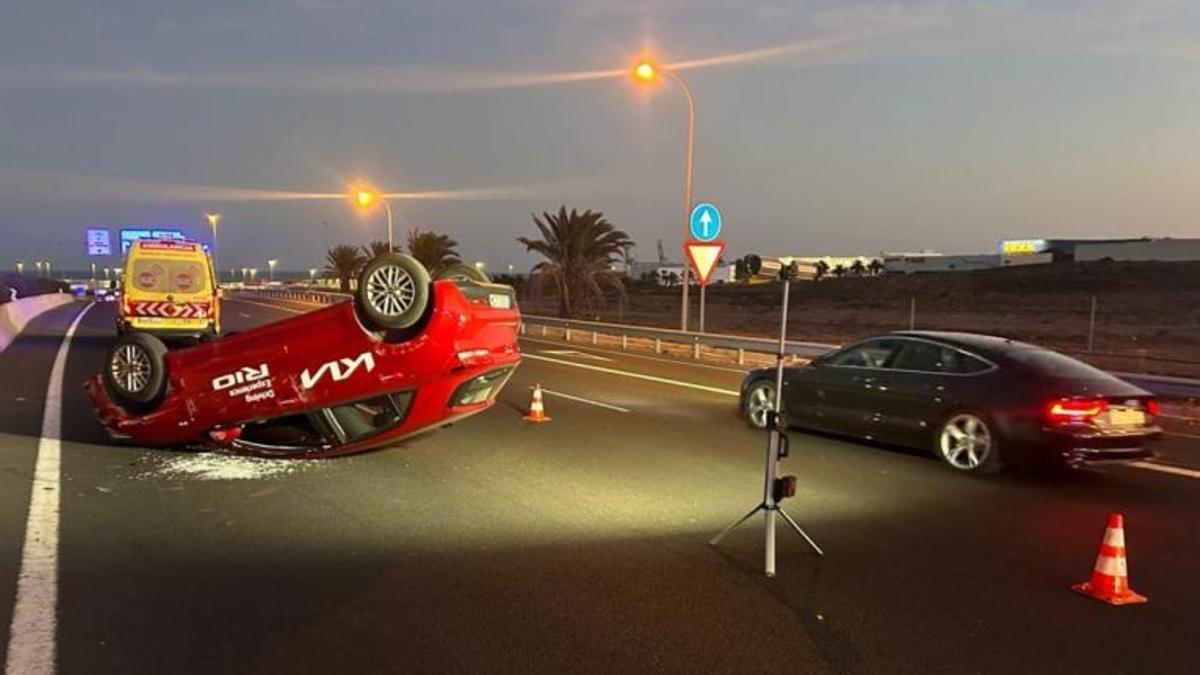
[870,354]
[927,357]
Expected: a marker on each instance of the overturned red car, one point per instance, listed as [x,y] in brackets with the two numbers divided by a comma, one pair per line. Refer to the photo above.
[405,356]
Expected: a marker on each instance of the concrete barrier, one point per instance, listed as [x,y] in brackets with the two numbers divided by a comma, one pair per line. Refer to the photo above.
[15,315]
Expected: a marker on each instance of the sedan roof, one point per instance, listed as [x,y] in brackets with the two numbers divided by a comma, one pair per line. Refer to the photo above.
[975,341]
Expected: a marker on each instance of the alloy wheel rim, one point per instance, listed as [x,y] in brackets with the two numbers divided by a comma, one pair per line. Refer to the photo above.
[759,405]
[131,368]
[965,442]
[391,290]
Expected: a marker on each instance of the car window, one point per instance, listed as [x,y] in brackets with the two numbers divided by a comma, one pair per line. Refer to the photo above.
[288,431]
[929,357]
[369,416]
[869,354]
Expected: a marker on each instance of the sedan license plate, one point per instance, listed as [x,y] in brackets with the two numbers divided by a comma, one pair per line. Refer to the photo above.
[499,301]
[1126,417]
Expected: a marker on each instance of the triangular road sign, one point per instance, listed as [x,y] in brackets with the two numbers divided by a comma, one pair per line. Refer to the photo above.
[703,256]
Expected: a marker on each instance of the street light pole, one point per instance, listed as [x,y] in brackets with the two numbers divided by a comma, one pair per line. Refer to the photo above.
[388,209]
[646,71]
[213,219]
[687,190]
[271,264]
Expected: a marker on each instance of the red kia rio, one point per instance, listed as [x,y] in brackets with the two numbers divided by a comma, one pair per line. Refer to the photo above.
[405,356]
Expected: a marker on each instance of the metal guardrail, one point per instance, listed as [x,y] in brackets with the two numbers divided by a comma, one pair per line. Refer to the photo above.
[293,294]
[1159,385]
[740,343]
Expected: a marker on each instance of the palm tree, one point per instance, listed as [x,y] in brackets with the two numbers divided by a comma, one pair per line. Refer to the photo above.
[435,251]
[858,268]
[820,269]
[375,249]
[875,267]
[839,270]
[580,249]
[343,261]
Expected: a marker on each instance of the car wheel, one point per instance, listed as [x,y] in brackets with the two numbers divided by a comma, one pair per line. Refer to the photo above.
[393,292]
[760,400]
[135,371]
[968,443]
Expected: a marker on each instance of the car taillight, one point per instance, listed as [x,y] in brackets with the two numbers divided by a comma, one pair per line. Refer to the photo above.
[1075,409]
[1153,407]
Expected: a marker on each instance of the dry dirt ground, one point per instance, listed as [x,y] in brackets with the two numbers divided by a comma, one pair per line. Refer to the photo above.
[1147,314]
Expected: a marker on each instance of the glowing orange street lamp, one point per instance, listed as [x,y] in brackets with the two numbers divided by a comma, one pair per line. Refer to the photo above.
[646,72]
[365,199]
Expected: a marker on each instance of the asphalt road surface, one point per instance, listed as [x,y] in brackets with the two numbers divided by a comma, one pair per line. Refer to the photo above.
[574,546]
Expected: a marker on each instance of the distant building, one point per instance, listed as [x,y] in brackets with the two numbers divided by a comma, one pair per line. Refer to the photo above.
[1060,250]
[1165,250]
[909,263]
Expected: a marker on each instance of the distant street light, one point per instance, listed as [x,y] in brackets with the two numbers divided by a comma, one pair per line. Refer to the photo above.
[312,274]
[20,267]
[93,264]
[214,218]
[271,263]
[646,72]
[253,273]
[366,198]
[245,273]
[510,269]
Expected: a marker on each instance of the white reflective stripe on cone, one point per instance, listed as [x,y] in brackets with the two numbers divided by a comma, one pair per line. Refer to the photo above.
[1113,567]
[1115,537]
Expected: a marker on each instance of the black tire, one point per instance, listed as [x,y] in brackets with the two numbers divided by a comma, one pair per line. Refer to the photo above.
[135,371]
[757,393]
[393,292]
[968,442]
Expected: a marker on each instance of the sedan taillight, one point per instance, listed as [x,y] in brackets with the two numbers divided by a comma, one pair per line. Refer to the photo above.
[1075,409]
[1153,407]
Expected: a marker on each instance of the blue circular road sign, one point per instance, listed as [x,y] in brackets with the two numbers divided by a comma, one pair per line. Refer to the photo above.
[705,222]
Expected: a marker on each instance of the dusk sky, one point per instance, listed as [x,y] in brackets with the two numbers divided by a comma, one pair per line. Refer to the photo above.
[823,127]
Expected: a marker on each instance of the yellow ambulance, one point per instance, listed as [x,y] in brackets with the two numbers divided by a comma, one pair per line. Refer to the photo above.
[169,290]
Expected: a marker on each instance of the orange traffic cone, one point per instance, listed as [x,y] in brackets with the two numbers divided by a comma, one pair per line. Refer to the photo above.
[537,413]
[1110,576]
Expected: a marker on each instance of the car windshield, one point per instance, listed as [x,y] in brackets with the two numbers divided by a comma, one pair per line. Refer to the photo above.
[1050,363]
[160,275]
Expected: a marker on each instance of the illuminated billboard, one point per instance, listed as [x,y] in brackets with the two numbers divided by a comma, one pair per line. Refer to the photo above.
[130,235]
[1023,246]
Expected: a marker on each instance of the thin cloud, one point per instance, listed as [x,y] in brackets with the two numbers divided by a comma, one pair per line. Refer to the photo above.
[21,184]
[391,80]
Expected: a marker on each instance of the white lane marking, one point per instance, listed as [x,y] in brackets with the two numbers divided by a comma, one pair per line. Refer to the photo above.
[572,352]
[635,355]
[1166,468]
[580,399]
[31,647]
[636,376]
[1178,417]
[244,315]
[1179,435]
[280,308]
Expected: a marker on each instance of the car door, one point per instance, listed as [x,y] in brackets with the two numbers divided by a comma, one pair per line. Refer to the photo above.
[925,382]
[849,384]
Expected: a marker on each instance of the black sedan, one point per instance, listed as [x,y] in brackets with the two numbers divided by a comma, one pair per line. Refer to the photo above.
[976,401]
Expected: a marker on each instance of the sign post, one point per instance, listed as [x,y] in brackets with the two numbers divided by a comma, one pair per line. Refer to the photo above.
[705,227]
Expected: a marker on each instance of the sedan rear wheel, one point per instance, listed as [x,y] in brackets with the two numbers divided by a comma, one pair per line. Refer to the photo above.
[760,400]
[968,444]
